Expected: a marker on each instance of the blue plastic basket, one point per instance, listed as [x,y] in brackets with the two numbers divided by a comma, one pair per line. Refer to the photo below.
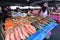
[40,35]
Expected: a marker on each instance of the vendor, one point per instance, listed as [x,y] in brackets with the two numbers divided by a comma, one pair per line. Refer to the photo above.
[9,14]
[44,12]
[19,13]
[56,9]
[4,13]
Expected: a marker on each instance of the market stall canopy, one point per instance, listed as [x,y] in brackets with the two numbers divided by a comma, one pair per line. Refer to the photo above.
[50,2]
[25,2]
[25,7]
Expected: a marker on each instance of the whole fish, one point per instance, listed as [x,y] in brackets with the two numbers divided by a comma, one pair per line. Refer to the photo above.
[16,34]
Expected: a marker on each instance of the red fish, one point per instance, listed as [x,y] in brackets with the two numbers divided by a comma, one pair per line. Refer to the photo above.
[12,36]
[7,36]
[16,34]
[24,32]
[21,34]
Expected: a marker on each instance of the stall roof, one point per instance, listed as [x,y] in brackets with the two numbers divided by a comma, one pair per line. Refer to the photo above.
[22,2]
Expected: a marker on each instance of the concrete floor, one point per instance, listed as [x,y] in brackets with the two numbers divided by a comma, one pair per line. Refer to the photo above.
[55,33]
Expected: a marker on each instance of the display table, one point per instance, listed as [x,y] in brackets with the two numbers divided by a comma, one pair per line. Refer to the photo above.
[40,35]
[32,28]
